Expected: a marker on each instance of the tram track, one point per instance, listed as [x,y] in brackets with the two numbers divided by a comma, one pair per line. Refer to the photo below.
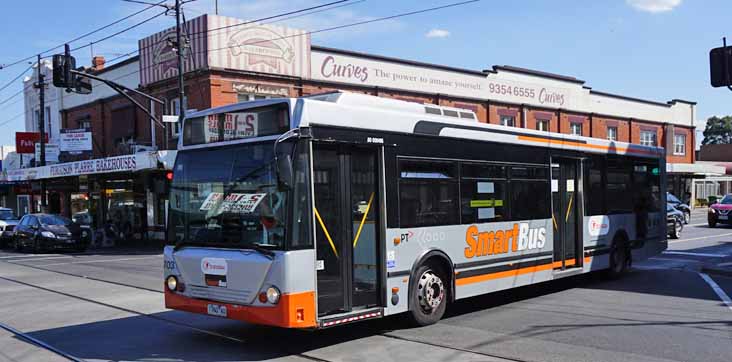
[302,355]
[85,277]
[67,355]
[190,327]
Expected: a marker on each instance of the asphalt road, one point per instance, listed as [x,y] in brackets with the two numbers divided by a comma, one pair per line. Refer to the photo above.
[108,307]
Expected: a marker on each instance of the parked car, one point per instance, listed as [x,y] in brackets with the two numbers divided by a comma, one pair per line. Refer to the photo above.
[48,231]
[679,205]
[674,221]
[8,220]
[719,213]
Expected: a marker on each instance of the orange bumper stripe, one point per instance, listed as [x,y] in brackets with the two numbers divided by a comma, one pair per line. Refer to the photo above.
[292,311]
[517,272]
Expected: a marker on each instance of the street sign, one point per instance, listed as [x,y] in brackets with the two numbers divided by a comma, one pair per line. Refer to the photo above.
[720,66]
[170,119]
[52,152]
[25,141]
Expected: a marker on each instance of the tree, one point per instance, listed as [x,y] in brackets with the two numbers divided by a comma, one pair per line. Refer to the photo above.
[718,131]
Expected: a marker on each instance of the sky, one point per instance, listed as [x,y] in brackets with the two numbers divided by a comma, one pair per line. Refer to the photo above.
[651,49]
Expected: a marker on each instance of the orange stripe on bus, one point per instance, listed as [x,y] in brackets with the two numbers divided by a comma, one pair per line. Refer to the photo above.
[516,272]
[584,145]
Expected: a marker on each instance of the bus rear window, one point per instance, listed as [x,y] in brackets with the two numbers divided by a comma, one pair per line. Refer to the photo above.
[241,124]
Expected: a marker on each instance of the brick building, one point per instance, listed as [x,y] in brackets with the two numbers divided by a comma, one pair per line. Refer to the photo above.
[227,63]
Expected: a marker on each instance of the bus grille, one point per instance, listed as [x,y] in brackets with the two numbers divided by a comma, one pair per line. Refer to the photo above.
[221,294]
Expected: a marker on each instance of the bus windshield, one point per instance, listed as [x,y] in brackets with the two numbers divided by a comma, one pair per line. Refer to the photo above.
[227,196]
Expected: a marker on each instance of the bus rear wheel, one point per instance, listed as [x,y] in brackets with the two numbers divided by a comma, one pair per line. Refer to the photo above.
[619,259]
[428,297]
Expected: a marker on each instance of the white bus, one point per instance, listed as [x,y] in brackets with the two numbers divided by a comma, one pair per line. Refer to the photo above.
[330,209]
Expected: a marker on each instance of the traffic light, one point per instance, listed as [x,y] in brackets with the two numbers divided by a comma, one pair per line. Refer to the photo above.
[720,66]
[62,66]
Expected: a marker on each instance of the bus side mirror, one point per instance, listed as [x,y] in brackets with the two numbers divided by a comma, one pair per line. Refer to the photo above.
[284,171]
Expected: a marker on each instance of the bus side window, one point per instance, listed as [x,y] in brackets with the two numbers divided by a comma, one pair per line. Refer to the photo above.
[483,189]
[617,192]
[428,193]
[594,186]
[530,193]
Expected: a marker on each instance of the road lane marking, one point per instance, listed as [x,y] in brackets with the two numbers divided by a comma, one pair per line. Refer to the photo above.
[101,261]
[715,287]
[708,255]
[36,259]
[39,343]
[699,238]
[678,260]
[23,256]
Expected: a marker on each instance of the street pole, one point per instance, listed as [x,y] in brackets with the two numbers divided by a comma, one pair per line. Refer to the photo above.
[42,129]
[180,46]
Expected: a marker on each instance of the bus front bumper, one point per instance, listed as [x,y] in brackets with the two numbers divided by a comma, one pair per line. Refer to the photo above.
[295,310]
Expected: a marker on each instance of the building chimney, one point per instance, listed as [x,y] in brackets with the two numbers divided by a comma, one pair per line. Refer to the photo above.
[98,62]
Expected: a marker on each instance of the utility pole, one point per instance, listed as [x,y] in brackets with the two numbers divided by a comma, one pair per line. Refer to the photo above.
[180,47]
[42,129]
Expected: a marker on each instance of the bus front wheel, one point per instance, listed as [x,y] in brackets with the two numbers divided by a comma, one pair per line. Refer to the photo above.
[428,297]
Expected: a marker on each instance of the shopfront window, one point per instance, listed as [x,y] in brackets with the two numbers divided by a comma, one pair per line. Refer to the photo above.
[247,97]
[648,138]
[508,121]
[575,128]
[680,144]
[542,125]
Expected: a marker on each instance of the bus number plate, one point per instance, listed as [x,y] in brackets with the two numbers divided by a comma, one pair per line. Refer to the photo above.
[217,310]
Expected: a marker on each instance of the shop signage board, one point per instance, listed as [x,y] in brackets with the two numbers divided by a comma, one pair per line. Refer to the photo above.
[75,140]
[25,141]
[227,43]
[52,152]
[363,70]
[128,163]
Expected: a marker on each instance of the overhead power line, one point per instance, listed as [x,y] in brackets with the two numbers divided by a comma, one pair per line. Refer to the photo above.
[121,31]
[16,78]
[332,28]
[82,36]
[12,96]
[288,15]
[13,118]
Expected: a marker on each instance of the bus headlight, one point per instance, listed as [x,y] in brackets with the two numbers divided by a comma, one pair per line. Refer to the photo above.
[172,283]
[273,295]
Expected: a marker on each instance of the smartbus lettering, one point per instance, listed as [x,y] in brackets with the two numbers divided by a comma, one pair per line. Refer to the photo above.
[518,238]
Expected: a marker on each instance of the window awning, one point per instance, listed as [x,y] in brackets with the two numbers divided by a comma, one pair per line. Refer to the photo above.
[697,168]
[128,163]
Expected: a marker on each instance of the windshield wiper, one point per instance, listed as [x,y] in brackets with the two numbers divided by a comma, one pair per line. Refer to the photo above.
[256,247]
[260,249]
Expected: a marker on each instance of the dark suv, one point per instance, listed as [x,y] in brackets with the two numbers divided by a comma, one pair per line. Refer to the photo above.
[674,222]
[679,205]
[47,231]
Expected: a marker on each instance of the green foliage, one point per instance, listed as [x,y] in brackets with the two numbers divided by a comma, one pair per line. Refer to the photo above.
[718,131]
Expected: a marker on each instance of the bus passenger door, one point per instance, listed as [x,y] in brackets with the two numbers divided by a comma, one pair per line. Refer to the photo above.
[565,217]
[347,227]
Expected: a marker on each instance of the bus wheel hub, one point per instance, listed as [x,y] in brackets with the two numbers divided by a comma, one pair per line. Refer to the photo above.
[431,291]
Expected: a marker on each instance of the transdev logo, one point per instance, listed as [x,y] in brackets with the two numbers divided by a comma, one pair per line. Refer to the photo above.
[214,266]
[598,225]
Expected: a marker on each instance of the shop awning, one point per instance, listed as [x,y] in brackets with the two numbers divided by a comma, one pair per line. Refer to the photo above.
[696,168]
[128,163]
